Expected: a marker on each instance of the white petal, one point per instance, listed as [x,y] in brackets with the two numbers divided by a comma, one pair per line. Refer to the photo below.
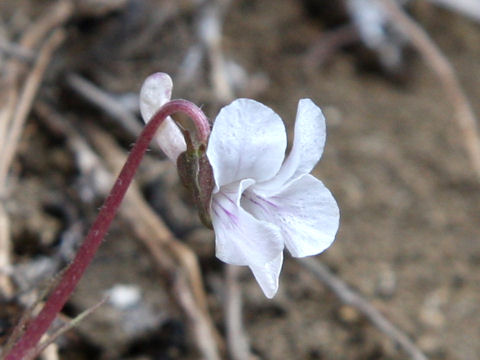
[267,275]
[155,92]
[305,210]
[170,139]
[248,140]
[241,239]
[308,145]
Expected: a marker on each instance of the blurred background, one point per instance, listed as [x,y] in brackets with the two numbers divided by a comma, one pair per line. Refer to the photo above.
[399,159]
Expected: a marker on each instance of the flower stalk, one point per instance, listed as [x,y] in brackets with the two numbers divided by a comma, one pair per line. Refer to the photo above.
[26,346]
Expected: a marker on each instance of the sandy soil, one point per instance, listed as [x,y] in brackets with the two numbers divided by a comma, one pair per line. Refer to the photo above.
[395,161]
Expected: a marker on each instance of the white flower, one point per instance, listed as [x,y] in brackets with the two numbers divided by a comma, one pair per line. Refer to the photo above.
[262,203]
[156,91]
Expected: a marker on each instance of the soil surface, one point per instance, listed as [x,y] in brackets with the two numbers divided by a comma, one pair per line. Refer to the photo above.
[395,161]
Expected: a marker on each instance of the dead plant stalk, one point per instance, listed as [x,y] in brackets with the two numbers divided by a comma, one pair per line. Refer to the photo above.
[438,62]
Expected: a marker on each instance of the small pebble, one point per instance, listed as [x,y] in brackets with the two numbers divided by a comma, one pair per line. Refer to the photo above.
[124,296]
[386,281]
[432,311]
[349,314]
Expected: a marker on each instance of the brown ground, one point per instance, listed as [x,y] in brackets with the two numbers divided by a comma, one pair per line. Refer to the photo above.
[395,161]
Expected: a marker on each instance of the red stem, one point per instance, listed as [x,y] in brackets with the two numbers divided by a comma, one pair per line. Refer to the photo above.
[59,296]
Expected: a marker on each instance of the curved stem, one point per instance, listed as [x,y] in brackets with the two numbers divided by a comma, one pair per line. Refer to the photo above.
[59,296]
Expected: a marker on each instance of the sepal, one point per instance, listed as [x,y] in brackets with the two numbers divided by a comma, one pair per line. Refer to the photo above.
[196,175]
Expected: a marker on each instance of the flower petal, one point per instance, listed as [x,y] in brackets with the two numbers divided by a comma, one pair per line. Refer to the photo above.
[268,275]
[248,140]
[308,145]
[241,239]
[156,91]
[305,211]
[170,139]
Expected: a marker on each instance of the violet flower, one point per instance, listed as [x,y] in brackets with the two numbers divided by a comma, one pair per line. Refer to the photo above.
[260,203]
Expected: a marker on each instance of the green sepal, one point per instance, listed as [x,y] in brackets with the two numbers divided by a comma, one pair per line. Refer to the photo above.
[196,175]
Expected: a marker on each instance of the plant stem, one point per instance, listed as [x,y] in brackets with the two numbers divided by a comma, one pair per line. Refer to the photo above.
[26,345]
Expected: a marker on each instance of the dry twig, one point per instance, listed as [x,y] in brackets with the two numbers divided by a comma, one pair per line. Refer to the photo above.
[6,288]
[52,18]
[210,33]
[49,341]
[206,343]
[470,8]
[50,353]
[25,101]
[107,103]
[350,297]
[164,12]
[237,341]
[14,50]
[446,74]
[328,44]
